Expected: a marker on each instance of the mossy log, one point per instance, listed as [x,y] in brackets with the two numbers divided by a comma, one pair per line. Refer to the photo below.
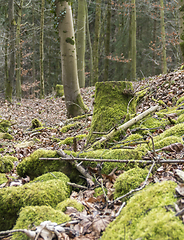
[114,102]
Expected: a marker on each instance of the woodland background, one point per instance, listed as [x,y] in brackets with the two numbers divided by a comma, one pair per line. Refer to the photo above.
[110,39]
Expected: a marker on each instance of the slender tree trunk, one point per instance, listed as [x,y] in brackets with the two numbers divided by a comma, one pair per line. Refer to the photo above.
[164,61]
[133,41]
[18,53]
[73,99]
[90,48]
[11,72]
[81,41]
[107,41]
[33,48]
[181,28]
[96,40]
[6,58]
[42,88]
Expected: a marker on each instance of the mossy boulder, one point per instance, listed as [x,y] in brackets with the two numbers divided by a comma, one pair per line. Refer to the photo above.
[31,216]
[33,167]
[59,90]
[3,178]
[52,176]
[62,206]
[12,199]
[6,136]
[129,180]
[146,217]
[6,163]
[112,99]
[4,125]
[36,123]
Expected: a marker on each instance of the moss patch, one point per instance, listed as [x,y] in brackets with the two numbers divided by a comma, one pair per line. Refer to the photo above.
[4,125]
[69,140]
[3,178]
[59,90]
[12,199]
[6,163]
[6,136]
[70,126]
[167,141]
[36,123]
[31,216]
[145,216]
[129,180]
[62,206]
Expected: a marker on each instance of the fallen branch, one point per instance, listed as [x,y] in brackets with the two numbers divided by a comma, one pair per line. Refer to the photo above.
[123,127]
[112,160]
[74,161]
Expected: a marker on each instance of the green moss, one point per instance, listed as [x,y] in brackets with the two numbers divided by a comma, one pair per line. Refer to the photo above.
[6,163]
[70,40]
[32,216]
[177,130]
[110,111]
[145,216]
[59,90]
[1,150]
[129,180]
[6,136]
[180,101]
[70,126]
[36,123]
[33,167]
[3,178]
[12,199]
[4,125]
[69,140]
[99,191]
[141,94]
[167,141]
[180,119]
[52,176]
[62,206]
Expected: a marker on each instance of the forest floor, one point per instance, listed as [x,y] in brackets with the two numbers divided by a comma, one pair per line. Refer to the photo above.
[51,112]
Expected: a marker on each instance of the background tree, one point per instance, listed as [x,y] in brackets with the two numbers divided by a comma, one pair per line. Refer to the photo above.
[164,61]
[181,27]
[42,88]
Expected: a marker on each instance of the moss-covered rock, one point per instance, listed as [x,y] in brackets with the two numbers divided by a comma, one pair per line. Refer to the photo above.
[52,176]
[4,125]
[6,163]
[12,199]
[70,126]
[59,90]
[3,178]
[32,216]
[145,216]
[129,180]
[62,206]
[110,106]
[36,123]
[6,136]
[33,167]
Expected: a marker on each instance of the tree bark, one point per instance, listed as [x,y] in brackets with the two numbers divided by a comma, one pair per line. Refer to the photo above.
[181,28]
[73,99]
[42,88]
[81,41]
[18,53]
[133,41]
[11,71]
[164,61]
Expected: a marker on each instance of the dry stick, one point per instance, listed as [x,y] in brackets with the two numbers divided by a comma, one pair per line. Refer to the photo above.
[112,160]
[137,189]
[124,126]
[79,168]
[76,185]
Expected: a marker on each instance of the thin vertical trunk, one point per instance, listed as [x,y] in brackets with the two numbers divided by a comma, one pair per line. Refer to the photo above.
[181,28]
[18,53]
[73,99]
[81,41]
[42,88]
[133,41]
[11,71]
[164,61]
[90,48]
[33,48]
[107,41]
[96,40]
[6,58]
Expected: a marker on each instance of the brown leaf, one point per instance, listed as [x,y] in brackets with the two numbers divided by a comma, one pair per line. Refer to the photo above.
[180,189]
[175,147]
[100,224]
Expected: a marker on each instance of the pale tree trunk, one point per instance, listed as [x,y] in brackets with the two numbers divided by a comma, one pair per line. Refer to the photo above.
[73,99]
[96,40]
[133,41]
[164,61]
[42,88]
[107,41]
[11,71]
[81,41]
[90,48]
[33,48]
[18,53]
[181,28]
